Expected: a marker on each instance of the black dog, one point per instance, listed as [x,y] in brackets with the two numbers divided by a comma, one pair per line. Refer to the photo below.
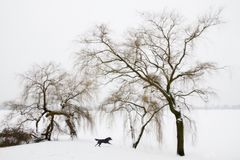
[100,141]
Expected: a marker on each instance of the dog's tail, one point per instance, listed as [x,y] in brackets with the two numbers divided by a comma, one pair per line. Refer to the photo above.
[96,139]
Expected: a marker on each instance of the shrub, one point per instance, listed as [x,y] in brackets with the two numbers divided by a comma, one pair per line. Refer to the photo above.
[14,136]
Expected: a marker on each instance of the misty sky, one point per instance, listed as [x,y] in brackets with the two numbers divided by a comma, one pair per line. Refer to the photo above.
[37,31]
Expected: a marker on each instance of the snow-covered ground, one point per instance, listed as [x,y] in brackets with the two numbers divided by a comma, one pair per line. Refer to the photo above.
[217,139]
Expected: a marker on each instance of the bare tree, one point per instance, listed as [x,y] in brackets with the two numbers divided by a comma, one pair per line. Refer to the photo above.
[158,54]
[51,97]
[141,107]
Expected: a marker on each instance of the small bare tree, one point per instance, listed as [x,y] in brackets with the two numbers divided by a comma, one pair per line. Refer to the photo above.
[51,97]
[141,107]
[158,53]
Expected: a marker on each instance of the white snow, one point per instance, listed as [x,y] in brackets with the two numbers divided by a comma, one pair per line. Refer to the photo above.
[217,139]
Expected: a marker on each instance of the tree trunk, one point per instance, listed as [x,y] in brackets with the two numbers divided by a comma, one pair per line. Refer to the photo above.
[180,136]
[139,137]
[71,127]
[179,126]
[49,129]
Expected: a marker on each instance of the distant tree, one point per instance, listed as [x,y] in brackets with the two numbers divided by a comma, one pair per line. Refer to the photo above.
[141,107]
[50,98]
[158,53]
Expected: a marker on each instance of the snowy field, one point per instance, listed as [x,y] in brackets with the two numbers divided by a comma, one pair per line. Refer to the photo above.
[217,138]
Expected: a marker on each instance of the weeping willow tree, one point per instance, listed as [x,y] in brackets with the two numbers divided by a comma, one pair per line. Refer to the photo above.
[52,101]
[141,108]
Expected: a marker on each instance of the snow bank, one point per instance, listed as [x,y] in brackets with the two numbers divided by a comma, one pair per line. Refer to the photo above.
[217,139]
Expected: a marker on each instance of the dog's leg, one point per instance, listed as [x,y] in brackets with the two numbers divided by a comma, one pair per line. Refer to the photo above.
[97,144]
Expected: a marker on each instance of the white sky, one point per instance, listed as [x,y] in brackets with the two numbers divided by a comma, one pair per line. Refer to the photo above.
[37,31]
